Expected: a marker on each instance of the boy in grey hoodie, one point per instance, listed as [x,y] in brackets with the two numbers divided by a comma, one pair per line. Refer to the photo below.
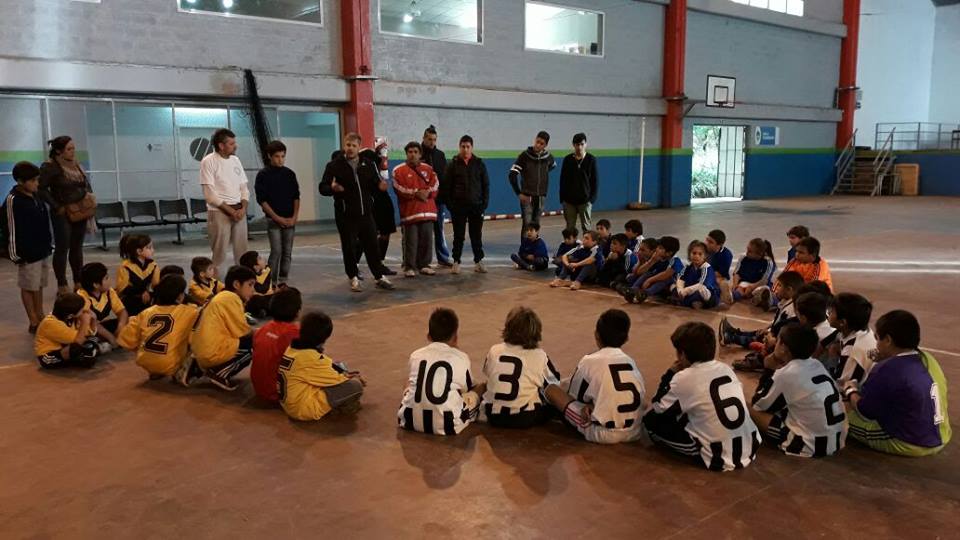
[530,177]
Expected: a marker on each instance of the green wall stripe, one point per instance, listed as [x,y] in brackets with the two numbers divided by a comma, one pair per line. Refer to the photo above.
[783,151]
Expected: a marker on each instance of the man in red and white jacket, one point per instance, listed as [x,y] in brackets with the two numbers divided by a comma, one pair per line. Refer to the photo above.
[416,186]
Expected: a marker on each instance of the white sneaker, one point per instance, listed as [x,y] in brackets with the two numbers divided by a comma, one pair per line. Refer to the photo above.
[384,283]
[455,269]
[480,268]
[427,271]
[355,285]
[410,273]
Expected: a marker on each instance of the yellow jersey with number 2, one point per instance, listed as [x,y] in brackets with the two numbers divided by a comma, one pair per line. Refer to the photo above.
[161,336]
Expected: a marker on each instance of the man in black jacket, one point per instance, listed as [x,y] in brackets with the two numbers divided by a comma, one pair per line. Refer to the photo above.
[351,180]
[466,190]
[578,185]
[530,177]
[435,158]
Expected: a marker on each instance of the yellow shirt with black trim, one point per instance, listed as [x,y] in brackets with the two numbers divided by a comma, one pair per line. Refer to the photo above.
[137,277]
[161,337]
[303,375]
[263,285]
[222,323]
[200,292]
[108,302]
[53,335]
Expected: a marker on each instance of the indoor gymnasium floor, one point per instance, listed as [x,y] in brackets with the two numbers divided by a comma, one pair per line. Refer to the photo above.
[106,454]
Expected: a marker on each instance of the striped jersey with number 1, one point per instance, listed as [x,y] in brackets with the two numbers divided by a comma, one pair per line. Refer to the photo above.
[516,377]
[433,400]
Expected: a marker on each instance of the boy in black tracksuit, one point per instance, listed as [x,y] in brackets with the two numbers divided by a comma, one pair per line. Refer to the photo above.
[578,185]
[466,191]
[435,158]
[534,166]
[351,180]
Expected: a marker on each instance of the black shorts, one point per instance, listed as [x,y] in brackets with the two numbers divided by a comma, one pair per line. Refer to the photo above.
[520,420]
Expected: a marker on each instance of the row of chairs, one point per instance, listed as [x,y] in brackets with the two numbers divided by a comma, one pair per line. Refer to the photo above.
[179,212]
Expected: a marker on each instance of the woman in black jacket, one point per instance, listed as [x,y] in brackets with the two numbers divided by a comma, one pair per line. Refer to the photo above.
[63,182]
[466,191]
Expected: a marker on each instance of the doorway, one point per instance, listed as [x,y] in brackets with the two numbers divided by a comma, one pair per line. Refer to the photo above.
[718,162]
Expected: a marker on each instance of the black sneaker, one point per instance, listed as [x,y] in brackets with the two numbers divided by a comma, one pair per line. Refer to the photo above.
[724,330]
[753,361]
[445,264]
[221,382]
[387,272]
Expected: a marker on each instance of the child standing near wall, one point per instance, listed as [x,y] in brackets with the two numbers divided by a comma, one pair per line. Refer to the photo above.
[29,239]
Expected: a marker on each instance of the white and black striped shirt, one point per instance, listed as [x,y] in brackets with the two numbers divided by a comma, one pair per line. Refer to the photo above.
[516,377]
[610,381]
[433,401]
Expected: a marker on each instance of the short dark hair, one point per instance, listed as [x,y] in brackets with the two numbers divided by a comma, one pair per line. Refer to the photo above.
[790,279]
[696,341]
[286,304]
[171,270]
[168,291]
[651,243]
[92,274]
[718,236]
[532,227]
[67,305]
[238,273]
[570,233]
[669,244]
[613,328]
[249,259]
[58,145]
[636,227]
[696,244]
[275,146]
[220,136]
[605,223]
[579,138]
[523,328]
[902,327]
[816,286]
[443,324]
[430,129]
[544,135]
[316,327]
[799,231]
[800,340]
[592,234]
[413,144]
[620,238]
[200,264]
[467,139]
[812,245]
[852,308]
[813,307]
[24,170]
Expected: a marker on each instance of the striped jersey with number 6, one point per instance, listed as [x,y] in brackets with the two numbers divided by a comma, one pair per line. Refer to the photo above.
[432,401]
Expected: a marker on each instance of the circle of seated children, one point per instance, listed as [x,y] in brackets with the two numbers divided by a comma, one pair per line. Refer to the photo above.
[824,374]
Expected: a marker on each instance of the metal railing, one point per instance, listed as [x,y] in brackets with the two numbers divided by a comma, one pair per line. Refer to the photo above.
[845,161]
[919,135]
[883,162]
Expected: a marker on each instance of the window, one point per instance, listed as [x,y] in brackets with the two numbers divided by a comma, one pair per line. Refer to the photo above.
[563,29]
[790,7]
[298,11]
[448,20]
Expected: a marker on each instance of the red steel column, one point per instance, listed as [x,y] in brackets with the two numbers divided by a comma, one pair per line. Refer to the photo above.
[674,57]
[847,94]
[355,29]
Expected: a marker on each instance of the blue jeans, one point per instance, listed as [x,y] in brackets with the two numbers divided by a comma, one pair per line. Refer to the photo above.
[439,242]
[281,251]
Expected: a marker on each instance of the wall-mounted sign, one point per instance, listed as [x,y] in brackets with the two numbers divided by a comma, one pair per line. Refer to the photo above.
[766,136]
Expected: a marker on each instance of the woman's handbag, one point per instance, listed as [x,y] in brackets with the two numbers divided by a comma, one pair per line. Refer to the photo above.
[81,210]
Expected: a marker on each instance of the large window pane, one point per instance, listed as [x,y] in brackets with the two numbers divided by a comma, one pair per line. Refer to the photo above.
[301,11]
[310,138]
[146,151]
[560,29]
[90,125]
[450,20]
[21,136]
[247,149]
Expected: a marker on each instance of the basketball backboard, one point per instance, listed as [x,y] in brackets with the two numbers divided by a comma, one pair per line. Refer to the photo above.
[721,91]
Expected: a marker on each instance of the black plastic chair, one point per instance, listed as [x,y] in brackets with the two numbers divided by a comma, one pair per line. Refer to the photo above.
[175,213]
[110,215]
[143,213]
[198,209]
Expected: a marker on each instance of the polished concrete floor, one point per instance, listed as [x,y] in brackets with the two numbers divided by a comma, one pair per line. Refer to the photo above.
[107,454]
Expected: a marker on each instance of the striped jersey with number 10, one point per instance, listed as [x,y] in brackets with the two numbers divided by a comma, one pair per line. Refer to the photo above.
[610,380]
[433,400]
[516,377]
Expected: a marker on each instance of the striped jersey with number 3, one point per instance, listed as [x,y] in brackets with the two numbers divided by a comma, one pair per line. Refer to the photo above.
[515,378]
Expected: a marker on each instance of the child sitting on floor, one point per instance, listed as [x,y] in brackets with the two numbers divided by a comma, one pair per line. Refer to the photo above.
[808,262]
[753,276]
[64,337]
[812,312]
[853,353]
[204,284]
[658,274]
[634,231]
[569,243]
[794,236]
[518,372]
[103,301]
[172,270]
[310,384]
[618,264]
[761,342]
[137,274]
[720,258]
[696,286]
[259,304]
[440,397]
[533,255]
[604,236]
[271,341]
[580,265]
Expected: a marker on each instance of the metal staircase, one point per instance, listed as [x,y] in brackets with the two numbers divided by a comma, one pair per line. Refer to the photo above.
[861,171]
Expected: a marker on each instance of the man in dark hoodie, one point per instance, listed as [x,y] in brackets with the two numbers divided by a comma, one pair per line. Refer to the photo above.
[578,185]
[466,191]
[352,179]
[435,158]
[530,177]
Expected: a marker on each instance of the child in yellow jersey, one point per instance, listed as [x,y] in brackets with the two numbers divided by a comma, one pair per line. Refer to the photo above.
[161,333]
[63,338]
[138,273]
[222,342]
[259,305]
[310,383]
[204,284]
[103,301]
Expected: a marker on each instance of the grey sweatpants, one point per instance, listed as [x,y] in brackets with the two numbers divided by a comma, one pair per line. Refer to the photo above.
[417,245]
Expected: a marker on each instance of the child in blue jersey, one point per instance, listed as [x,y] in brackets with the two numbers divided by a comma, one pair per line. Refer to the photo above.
[720,258]
[696,285]
[580,265]
[753,276]
[618,264]
[532,255]
[794,236]
[569,242]
[662,270]
[604,237]
[634,231]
